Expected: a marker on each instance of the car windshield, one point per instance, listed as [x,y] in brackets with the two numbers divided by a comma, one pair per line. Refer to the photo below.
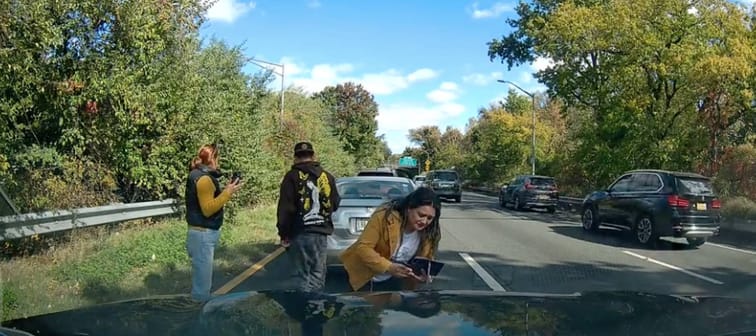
[366,189]
[446,176]
[419,178]
[694,186]
[375,173]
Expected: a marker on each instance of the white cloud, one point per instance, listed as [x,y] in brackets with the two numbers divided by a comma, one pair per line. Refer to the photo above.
[452,109]
[401,117]
[229,10]
[482,79]
[422,74]
[446,93]
[542,63]
[290,67]
[451,86]
[321,75]
[313,4]
[493,12]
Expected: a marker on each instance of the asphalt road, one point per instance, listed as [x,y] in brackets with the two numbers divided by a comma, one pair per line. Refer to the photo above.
[489,248]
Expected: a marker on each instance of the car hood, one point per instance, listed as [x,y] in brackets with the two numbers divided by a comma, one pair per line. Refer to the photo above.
[405,313]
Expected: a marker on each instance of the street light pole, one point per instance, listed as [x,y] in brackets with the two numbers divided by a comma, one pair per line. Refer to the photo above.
[282,74]
[533,144]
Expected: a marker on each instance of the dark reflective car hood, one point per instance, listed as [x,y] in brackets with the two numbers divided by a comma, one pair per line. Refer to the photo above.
[406,313]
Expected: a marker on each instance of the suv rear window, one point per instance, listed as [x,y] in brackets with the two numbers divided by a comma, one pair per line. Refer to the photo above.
[694,186]
[446,176]
[375,173]
[541,181]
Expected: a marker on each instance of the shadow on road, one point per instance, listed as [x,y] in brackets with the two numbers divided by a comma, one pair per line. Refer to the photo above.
[567,218]
[556,277]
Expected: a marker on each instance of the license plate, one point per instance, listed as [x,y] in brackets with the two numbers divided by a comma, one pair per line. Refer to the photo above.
[542,197]
[701,206]
[359,224]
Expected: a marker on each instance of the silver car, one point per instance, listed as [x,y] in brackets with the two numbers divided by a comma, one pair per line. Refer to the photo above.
[360,196]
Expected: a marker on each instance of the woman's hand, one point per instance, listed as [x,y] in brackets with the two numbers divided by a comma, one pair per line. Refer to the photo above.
[424,278]
[400,271]
[233,186]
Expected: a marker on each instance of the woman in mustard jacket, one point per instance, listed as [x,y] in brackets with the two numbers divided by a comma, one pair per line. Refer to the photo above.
[395,233]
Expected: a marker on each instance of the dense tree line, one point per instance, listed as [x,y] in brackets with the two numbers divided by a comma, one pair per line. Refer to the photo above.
[105,101]
[634,84]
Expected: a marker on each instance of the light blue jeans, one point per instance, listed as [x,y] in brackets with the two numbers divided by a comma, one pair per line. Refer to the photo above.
[201,248]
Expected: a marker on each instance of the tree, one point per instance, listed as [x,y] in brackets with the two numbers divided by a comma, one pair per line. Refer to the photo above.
[450,152]
[428,138]
[641,68]
[352,112]
[498,144]
[516,103]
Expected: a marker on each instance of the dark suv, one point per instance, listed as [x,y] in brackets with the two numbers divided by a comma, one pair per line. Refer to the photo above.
[530,191]
[654,204]
[445,183]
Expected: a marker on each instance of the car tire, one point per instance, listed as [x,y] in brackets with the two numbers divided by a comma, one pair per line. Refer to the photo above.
[589,219]
[645,230]
[551,210]
[516,203]
[458,199]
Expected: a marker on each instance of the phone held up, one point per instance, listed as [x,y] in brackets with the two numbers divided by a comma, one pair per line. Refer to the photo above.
[236,177]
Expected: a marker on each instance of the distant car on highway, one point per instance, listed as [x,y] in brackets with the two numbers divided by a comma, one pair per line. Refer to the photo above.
[654,204]
[446,183]
[360,195]
[377,172]
[530,191]
[419,180]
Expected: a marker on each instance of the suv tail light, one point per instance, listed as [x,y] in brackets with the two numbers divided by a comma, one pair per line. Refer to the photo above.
[716,204]
[529,186]
[677,201]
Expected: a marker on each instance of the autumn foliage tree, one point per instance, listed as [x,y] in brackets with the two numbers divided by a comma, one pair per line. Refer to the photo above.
[352,113]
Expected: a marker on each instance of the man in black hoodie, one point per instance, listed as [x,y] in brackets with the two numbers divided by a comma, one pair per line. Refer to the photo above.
[308,198]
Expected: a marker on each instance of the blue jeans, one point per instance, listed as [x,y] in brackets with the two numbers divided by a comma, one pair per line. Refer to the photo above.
[201,248]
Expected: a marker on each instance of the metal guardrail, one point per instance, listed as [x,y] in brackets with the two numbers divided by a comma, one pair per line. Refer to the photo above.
[25,225]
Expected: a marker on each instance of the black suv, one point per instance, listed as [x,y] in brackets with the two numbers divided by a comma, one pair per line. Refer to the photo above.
[654,204]
[445,183]
[530,191]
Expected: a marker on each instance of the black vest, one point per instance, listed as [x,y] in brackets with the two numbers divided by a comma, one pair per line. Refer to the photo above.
[194,214]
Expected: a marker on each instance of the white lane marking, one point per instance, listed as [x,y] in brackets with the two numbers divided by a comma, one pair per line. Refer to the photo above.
[676,268]
[487,278]
[731,248]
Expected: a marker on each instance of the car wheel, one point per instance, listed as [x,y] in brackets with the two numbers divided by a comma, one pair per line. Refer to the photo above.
[551,210]
[696,242]
[517,205]
[645,232]
[458,199]
[589,219]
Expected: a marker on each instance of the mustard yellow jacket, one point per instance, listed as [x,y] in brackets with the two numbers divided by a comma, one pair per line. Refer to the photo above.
[370,254]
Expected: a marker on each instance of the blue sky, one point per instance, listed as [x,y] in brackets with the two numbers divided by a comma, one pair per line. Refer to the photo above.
[425,61]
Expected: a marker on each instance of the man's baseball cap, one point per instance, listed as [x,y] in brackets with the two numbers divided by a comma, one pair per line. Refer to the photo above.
[303,147]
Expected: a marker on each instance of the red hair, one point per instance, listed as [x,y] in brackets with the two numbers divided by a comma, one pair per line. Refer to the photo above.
[206,155]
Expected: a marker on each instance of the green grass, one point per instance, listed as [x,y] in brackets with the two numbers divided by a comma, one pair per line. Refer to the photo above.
[139,260]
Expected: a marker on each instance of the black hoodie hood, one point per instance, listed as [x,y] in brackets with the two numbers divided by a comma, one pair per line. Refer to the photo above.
[311,167]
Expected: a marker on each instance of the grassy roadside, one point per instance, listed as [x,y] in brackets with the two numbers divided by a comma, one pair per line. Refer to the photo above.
[137,261]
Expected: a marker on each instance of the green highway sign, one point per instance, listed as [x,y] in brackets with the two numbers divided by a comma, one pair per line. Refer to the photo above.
[407,161]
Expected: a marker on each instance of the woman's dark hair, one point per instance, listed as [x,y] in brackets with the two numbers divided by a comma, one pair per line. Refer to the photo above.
[420,197]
